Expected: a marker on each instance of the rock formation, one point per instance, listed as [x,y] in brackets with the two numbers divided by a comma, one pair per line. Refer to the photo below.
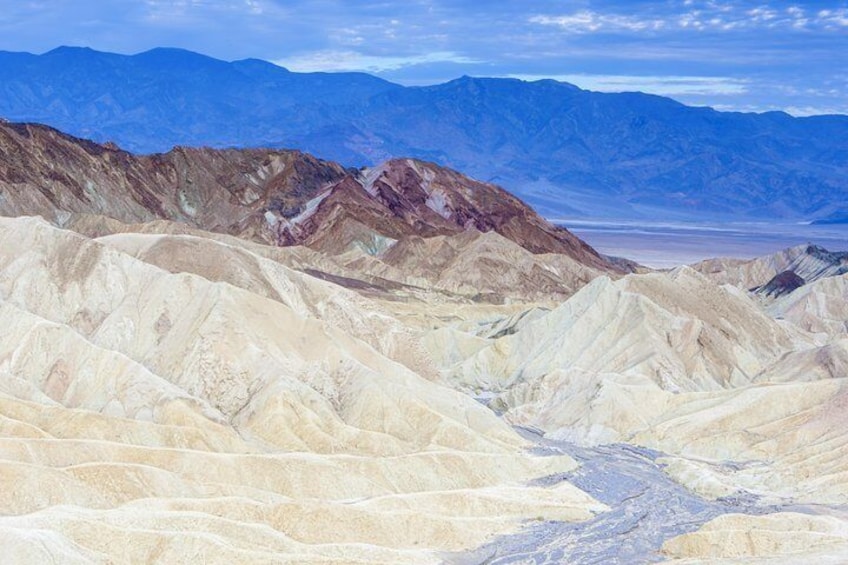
[277,197]
[808,262]
[230,411]
[255,355]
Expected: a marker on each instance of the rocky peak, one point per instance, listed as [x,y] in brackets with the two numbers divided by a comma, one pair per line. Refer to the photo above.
[780,284]
[272,196]
[449,202]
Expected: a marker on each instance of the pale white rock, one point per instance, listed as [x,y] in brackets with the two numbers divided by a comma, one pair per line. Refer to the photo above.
[782,538]
[820,307]
[230,409]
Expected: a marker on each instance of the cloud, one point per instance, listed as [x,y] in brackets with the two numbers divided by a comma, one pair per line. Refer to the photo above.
[662,85]
[174,11]
[797,111]
[332,61]
[254,7]
[587,21]
[708,15]
[762,14]
[833,18]
[803,111]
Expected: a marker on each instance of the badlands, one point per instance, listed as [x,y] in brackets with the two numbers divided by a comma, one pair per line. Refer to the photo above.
[257,356]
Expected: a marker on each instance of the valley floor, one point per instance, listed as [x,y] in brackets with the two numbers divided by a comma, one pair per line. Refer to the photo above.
[647,508]
[665,245]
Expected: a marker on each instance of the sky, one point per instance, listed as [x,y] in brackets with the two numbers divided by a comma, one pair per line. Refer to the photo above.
[731,55]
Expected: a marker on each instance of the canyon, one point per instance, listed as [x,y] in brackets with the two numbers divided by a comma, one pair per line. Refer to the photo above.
[258,355]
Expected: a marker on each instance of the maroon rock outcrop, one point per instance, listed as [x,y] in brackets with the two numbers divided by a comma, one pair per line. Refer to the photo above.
[272,196]
[782,283]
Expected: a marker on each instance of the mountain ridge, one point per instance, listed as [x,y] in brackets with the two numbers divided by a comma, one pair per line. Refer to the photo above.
[270,196]
[259,355]
[564,150]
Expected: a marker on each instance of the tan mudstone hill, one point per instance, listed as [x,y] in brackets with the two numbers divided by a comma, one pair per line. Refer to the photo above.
[258,356]
[232,414]
[809,262]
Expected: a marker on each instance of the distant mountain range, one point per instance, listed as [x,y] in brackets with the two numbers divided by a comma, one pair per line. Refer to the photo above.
[567,151]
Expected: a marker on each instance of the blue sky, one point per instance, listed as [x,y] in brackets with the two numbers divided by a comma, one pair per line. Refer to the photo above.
[740,55]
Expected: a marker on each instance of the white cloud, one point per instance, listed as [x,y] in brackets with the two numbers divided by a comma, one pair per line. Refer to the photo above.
[834,18]
[762,14]
[587,21]
[699,16]
[802,111]
[662,85]
[332,61]
[254,7]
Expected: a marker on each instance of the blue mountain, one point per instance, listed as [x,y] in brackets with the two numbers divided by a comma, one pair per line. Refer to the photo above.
[565,150]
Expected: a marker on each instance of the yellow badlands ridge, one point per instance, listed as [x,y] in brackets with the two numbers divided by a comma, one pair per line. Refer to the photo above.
[172,395]
[233,416]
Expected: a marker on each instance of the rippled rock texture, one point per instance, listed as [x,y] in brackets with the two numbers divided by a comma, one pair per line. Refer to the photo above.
[257,356]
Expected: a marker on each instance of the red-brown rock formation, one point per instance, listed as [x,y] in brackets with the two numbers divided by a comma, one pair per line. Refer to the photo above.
[273,196]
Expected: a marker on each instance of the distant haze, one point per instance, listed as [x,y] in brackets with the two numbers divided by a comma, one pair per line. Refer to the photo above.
[666,246]
[566,151]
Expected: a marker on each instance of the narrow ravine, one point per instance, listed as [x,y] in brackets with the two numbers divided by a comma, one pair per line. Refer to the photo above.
[646,508]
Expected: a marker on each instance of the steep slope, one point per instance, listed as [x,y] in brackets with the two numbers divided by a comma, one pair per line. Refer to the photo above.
[781,442]
[612,155]
[740,403]
[306,295]
[779,539]
[280,197]
[780,285]
[234,370]
[411,198]
[489,267]
[470,267]
[45,172]
[681,332]
[227,413]
[821,306]
[809,262]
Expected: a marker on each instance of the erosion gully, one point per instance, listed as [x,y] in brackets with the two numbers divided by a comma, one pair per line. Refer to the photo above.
[646,508]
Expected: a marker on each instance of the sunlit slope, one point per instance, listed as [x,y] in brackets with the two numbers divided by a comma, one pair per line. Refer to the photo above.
[154,415]
[740,401]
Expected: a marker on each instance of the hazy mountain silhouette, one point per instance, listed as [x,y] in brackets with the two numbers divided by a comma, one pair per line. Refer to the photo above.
[565,150]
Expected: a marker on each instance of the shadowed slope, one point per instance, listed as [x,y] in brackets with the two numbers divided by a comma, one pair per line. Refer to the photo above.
[231,413]
[565,150]
[279,197]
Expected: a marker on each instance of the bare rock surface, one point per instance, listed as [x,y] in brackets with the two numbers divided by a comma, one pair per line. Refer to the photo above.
[270,196]
[647,509]
[805,535]
[693,387]
[259,356]
[821,307]
[809,262]
[230,413]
